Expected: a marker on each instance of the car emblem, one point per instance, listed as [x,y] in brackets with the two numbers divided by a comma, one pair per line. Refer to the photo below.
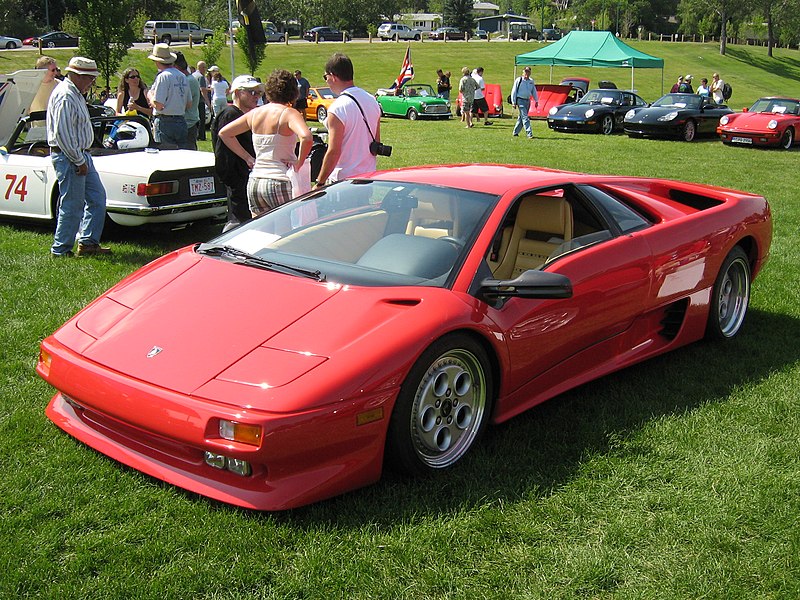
[154,352]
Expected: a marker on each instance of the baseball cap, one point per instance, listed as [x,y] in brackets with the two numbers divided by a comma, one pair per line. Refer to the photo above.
[245,82]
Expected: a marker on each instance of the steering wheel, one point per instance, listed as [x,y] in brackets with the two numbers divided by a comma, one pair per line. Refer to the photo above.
[458,243]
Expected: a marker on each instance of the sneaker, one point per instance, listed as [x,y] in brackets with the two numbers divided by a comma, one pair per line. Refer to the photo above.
[487,123]
[92,250]
[67,254]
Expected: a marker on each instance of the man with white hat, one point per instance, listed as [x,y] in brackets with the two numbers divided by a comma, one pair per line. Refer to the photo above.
[246,91]
[82,197]
[170,97]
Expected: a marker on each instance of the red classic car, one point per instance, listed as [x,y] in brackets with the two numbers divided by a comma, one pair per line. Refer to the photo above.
[494,98]
[772,121]
[398,315]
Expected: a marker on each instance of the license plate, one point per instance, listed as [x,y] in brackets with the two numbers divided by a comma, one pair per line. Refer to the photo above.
[741,140]
[199,186]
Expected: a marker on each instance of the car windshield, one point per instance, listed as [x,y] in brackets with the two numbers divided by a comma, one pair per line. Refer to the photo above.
[779,106]
[679,101]
[422,90]
[325,93]
[600,97]
[363,232]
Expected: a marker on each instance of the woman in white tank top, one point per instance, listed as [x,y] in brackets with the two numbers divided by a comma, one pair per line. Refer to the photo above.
[276,128]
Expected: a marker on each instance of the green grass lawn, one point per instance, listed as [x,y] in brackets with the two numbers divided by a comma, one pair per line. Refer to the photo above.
[677,478]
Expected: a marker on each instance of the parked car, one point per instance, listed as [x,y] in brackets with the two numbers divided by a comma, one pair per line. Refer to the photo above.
[54,39]
[144,185]
[683,116]
[319,100]
[406,311]
[413,100]
[551,95]
[598,111]
[325,34]
[273,35]
[9,43]
[480,34]
[446,33]
[523,31]
[391,31]
[494,98]
[771,121]
[551,34]
[175,31]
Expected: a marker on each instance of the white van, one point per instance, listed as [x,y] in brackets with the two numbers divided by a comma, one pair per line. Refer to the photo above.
[175,31]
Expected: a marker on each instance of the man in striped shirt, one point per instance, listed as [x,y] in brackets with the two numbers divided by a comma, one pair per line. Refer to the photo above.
[82,197]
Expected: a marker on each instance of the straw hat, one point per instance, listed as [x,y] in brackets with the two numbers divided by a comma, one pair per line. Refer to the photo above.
[162,54]
[82,66]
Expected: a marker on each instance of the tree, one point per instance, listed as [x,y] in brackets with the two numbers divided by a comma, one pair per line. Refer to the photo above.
[106,32]
[253,53]
[458,13]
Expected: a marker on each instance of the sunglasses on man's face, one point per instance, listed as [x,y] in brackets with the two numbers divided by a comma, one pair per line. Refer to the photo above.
[252,92]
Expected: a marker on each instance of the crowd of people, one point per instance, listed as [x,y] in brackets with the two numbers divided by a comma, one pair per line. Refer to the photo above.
[715,90]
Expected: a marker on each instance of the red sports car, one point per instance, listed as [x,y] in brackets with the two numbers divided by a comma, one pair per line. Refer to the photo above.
[390,319]
[494,98]
[769,122]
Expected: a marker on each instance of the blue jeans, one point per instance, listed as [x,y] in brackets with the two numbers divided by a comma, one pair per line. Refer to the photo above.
[523,120]
[82,204]
[169,129]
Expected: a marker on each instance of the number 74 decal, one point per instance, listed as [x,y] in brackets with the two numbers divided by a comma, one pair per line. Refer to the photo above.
[17,186]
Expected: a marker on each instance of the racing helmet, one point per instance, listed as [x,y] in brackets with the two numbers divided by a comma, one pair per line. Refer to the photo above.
[131,135]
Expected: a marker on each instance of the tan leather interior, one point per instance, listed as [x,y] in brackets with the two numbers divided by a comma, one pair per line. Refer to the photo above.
[542,224]
[432,216]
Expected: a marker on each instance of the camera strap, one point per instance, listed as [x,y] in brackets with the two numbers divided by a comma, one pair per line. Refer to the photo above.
[363,116]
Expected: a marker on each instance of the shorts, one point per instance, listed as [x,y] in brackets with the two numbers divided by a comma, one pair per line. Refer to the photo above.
[479,105]
[264,194]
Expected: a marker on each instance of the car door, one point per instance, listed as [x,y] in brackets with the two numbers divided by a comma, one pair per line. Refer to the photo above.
[710,116]
[25,185]
[610,271]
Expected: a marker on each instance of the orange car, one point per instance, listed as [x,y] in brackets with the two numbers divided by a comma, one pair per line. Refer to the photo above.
[319,100]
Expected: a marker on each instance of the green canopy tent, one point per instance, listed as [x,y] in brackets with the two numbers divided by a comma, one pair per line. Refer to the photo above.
[590,49]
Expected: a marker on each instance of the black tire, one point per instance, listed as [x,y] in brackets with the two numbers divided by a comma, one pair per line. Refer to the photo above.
[443,407]
[322,113]
[607,125]
[730,297]
[416,38]
[787,139]
[166,39]
[207,38]
[51,44]
[413,115]
[689,132]
[282,39]
[10,46]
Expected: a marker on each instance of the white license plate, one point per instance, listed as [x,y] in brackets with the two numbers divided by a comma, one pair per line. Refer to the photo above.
[199,186]
[741,140]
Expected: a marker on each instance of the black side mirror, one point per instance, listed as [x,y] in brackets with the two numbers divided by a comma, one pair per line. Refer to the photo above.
[530,284]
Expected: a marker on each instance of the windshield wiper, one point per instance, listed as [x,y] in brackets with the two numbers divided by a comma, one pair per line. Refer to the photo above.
[251,260]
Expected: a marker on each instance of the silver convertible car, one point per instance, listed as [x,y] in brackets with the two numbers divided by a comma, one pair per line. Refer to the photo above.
[144,184]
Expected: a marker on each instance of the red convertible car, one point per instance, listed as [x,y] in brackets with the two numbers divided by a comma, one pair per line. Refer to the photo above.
[769,122]
[391,319]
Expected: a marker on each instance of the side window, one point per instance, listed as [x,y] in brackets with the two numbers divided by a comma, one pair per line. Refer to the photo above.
[625,218]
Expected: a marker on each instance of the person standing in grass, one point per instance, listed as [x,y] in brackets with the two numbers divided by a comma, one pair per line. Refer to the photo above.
[467,87]
[82,197]
[522,91]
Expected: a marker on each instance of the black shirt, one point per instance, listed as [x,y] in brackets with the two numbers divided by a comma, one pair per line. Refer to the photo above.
[231,169]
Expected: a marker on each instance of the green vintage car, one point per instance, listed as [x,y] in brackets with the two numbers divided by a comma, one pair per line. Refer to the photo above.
[413,100]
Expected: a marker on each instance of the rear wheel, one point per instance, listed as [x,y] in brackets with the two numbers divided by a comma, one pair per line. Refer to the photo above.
[51,44]
[787,140]
[689,131]
[10,46]
[322,113]
[443,407]
[607,125]
[413,115]
[730,297]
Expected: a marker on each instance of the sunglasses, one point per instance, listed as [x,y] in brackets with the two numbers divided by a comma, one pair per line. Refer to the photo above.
[326,75]
[251,92]
[131,76]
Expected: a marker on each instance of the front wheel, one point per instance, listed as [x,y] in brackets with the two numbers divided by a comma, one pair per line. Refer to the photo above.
[607,125]
[413,115]
[689,131]
[730,297]
[51,44]
[787,140]
[443,407]
[322,113]
[166,39]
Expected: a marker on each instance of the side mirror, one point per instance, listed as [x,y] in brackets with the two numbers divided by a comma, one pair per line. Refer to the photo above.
[530,284]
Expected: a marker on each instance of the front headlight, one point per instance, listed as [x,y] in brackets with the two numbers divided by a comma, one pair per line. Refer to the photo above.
[629,114]
[422,105]
[669,116]
[772,124]
[552,111]
[724,120]
[588,114]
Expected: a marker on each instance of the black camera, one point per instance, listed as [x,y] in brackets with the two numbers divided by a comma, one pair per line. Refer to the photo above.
[378,149]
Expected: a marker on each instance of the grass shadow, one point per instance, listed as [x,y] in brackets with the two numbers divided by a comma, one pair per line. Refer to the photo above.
[783,66]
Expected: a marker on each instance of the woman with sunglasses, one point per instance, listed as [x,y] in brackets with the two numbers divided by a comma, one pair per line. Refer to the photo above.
[132,94]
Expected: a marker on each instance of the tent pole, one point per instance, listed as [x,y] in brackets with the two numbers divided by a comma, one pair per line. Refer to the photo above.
[633,90]
[551,72]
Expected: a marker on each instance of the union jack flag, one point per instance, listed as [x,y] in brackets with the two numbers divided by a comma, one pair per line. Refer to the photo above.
[406,71]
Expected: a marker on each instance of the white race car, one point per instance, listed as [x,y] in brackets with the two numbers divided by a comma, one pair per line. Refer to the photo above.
[144,184]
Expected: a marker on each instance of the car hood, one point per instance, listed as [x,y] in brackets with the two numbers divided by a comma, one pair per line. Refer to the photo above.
[145,162]
[579,110]
[185,319]
[17,91]
[750,120]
